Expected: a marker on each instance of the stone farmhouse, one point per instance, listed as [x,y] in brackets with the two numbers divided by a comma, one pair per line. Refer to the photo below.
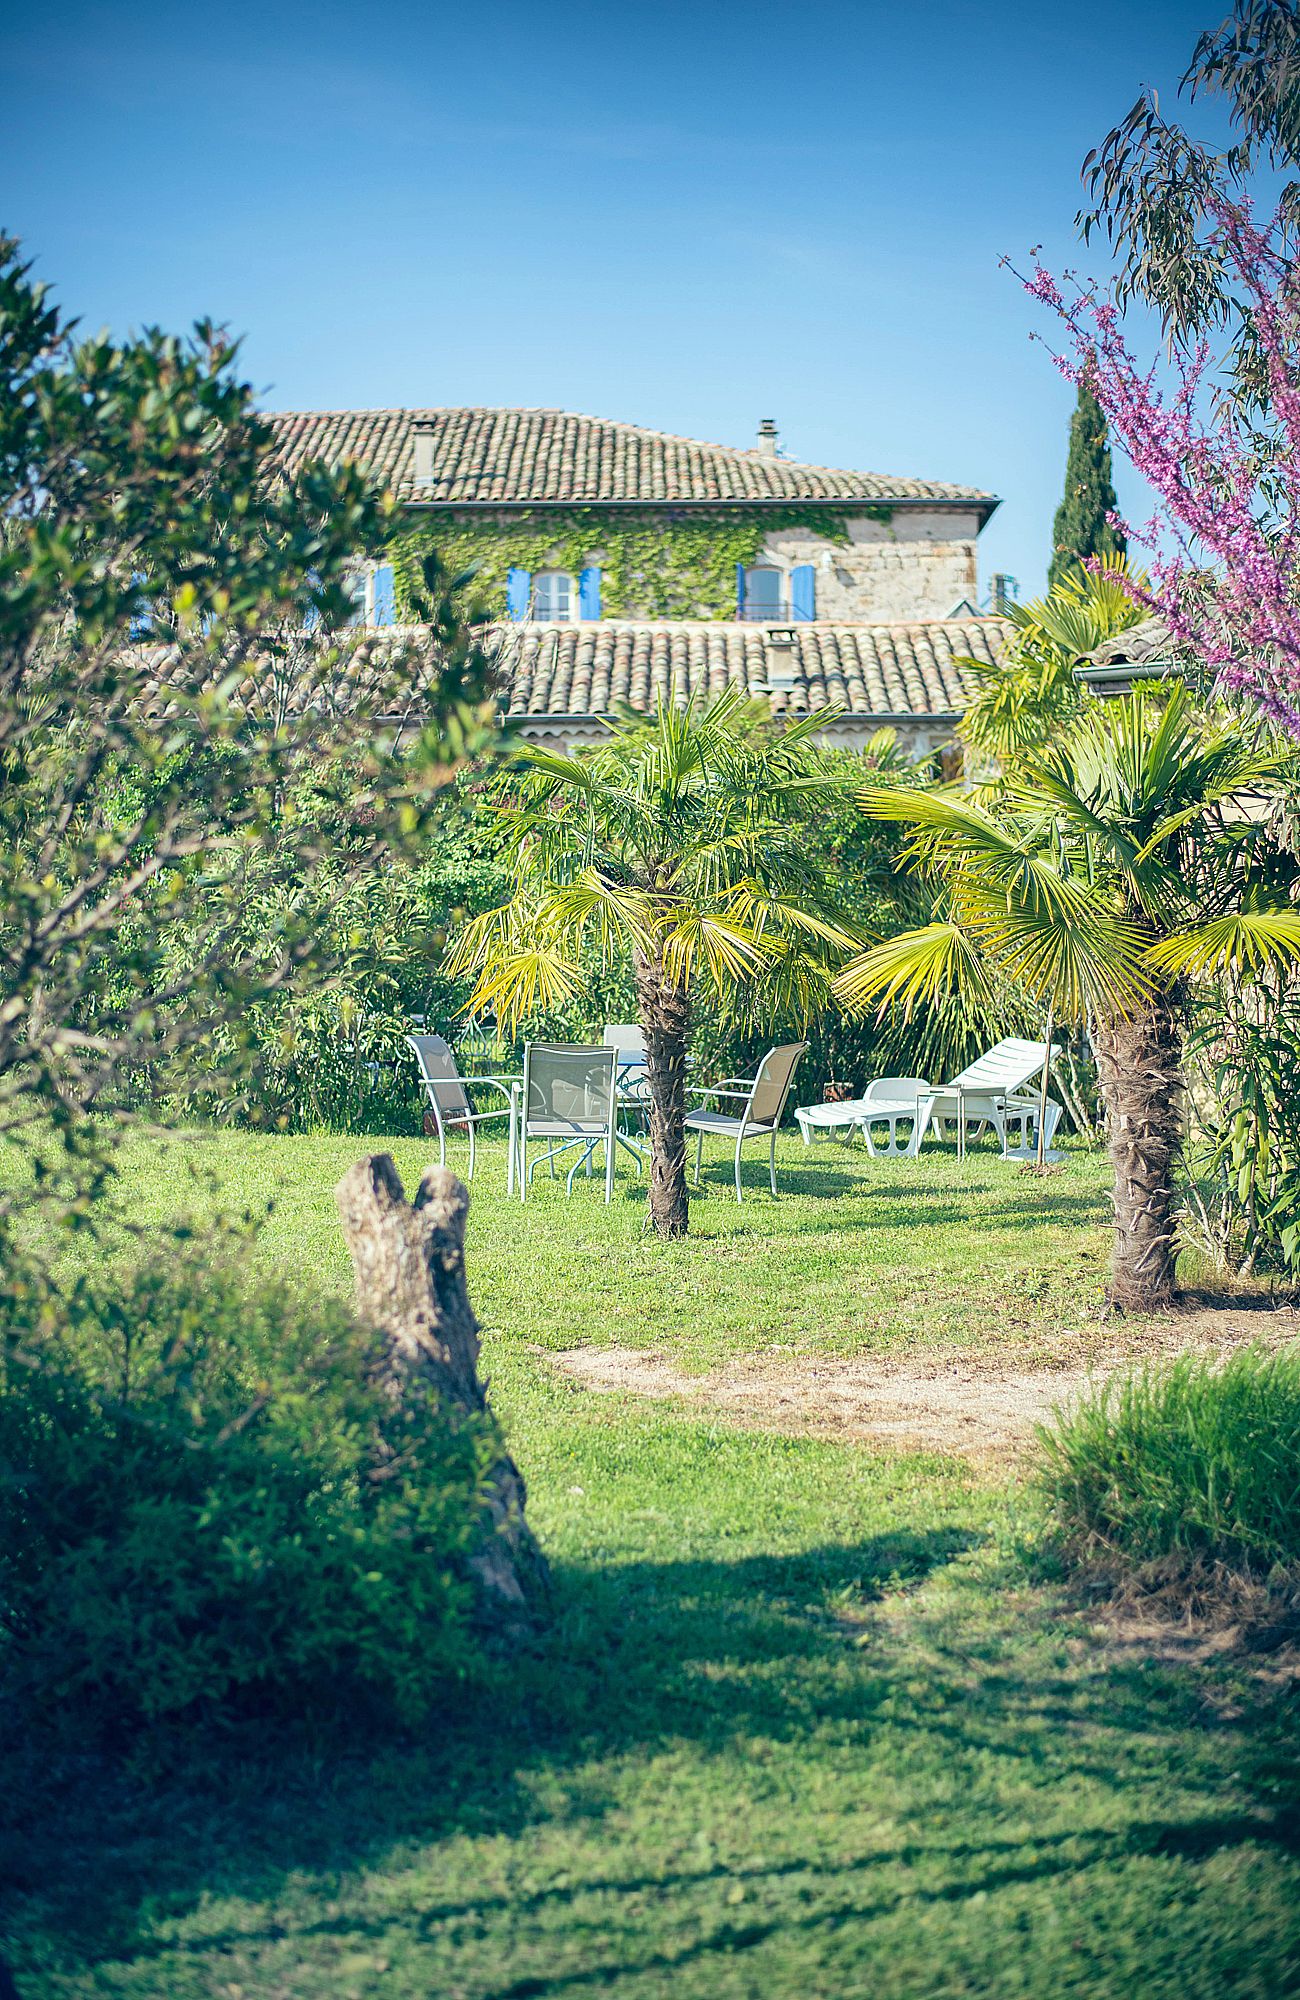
[626,565]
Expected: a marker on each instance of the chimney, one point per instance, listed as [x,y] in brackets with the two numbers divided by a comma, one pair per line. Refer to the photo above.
[767,437]
[1003,590]
[422,432]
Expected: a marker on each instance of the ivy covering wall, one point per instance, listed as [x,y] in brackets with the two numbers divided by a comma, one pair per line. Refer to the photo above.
[669,565]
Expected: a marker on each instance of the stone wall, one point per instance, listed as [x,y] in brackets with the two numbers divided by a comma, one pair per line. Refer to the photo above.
[917,566]
[677,564]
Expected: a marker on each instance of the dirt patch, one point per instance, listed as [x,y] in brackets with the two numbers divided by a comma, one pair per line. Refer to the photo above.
[945,1406]
[975,1406]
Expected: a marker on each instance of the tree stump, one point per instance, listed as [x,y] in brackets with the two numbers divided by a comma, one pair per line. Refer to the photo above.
[409,1262]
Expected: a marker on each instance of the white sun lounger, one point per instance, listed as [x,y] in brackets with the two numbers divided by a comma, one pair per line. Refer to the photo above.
[991,1091]
[888,1101]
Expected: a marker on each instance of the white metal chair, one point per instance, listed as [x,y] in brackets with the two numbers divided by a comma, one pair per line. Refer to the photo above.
[448,1099]
[570,1099]
[764,1099]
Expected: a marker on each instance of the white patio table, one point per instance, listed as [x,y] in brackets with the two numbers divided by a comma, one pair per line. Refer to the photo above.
[950,1102]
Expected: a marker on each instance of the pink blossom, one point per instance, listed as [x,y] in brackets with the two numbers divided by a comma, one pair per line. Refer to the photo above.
[1225,538]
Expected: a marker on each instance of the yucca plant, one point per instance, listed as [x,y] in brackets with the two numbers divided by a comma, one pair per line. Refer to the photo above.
[681,845]
[1141,850]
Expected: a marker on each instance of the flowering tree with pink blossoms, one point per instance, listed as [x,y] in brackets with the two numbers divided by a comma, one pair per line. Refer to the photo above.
[1224,541]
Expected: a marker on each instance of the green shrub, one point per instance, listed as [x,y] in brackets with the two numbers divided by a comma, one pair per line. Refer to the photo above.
[1197,1460]
[190,1519]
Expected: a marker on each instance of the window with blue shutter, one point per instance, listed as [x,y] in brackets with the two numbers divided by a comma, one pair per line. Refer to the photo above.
[764,598]
[354,589]
[803,591]
[141,624]
[553,597]
[740,590]
[518,582]
[383,596]
[589,593]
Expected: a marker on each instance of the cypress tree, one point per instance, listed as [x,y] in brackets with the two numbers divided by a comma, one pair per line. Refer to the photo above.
[1082,527]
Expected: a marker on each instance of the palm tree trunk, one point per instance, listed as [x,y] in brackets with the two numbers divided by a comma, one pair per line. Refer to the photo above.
[665,1015]
[1139,1069]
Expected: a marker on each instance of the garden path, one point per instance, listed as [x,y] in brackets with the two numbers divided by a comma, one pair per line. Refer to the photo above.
[975,1405]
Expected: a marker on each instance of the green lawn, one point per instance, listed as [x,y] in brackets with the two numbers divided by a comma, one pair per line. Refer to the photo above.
[855,1257]
[803,1728]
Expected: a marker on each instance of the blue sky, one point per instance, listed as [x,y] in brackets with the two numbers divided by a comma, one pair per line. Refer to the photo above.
[687,216]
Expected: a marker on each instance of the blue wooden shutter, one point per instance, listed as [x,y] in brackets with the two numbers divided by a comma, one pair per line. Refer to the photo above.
[803,591]
[589,593]
[518,582]
[740,590]
[384,596]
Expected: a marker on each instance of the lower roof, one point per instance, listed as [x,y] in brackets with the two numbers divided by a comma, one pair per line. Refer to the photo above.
[571,673]
[883,671]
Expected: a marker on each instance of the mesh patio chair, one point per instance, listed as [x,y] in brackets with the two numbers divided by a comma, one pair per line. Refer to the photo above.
[570,1099]
[763,1098]
[448,1098]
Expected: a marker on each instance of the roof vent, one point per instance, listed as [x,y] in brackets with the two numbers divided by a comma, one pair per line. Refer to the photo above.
[422,432]
[782,665]
[768,440]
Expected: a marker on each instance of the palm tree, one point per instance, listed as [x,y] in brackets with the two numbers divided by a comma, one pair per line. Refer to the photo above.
[1141,851]
[1020,701]
[682,845]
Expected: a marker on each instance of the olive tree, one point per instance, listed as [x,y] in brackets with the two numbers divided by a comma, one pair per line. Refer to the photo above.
[184,713]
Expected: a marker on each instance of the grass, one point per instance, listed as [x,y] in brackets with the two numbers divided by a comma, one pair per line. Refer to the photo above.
[1194,1459]
[802,1728]
[856,1257]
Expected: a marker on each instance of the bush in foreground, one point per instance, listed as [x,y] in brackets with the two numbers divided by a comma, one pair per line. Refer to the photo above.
[204,1508]
[1195,1462]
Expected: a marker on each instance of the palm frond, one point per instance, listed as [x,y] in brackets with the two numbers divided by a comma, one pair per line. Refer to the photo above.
[522,981]
[764,912]
[1067,950]
[728,951]
[913,968]
[1243,944]
[566,912]
[577,773]
[1086,608]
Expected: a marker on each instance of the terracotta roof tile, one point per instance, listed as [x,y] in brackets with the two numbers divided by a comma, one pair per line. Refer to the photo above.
[515,457]
[870,670]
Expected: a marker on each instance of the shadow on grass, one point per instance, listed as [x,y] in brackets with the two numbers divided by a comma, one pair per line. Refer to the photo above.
[644,1657]
[907,1206]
